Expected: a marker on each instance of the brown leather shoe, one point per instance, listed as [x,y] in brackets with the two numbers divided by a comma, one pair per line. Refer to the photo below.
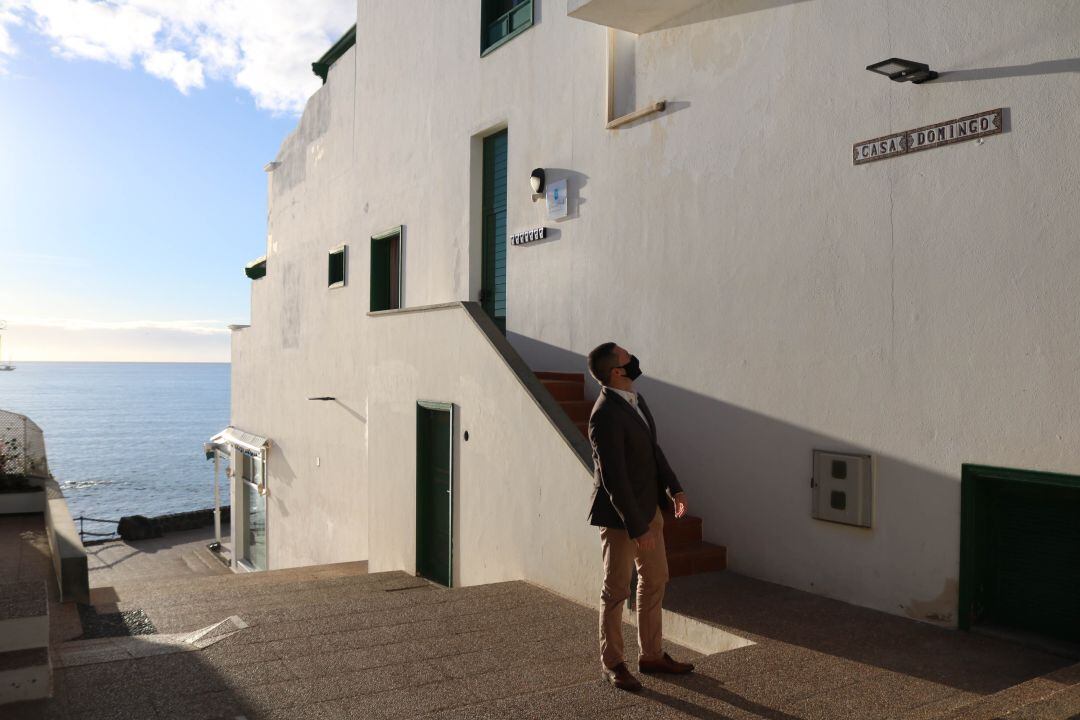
[620,677]
[665,665]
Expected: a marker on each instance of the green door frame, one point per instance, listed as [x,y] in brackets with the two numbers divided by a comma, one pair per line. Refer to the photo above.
[973,522]
[422,407]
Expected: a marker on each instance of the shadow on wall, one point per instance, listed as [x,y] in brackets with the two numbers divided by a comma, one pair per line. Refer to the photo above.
[718,9]
[721,451]
[282,469]
[1048,67]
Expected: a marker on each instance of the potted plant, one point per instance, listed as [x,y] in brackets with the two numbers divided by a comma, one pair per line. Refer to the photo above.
[18,493]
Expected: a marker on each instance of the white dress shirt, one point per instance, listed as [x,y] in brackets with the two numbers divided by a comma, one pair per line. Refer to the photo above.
[630,397]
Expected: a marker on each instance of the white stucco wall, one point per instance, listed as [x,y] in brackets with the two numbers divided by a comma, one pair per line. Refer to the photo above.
[520,494]
[920,309]
[302,343]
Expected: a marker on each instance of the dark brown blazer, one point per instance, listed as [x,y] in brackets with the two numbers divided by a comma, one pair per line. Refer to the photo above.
[631,476]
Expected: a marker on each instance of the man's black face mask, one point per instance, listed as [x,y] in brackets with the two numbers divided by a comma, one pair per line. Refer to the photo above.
[632,368]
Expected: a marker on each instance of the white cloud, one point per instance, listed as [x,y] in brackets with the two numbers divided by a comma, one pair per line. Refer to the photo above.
[95,30]
[263,46]
[193,327]
[185,72]
[8,19]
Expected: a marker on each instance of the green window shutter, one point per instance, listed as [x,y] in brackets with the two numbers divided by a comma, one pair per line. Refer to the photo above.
[493,272]
[502,20]
[335,272]
[386,270]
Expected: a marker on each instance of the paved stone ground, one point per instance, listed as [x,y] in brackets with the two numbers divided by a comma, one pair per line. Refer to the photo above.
[336,642]
[180,554]
[25,555]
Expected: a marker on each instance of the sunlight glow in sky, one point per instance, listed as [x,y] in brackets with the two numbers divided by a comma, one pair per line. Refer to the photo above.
[133,135]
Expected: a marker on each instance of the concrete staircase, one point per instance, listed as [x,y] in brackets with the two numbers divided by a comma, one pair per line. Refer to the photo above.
[687,553]
[568,389]
[25,669]
[183,603]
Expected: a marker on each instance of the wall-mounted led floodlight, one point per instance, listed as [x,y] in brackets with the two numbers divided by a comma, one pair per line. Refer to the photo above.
[900,70]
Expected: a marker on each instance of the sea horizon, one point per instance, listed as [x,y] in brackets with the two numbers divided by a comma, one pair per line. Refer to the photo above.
[123,362]
[125,438]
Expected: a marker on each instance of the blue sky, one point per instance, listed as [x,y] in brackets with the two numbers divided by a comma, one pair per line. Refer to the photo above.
[129,203]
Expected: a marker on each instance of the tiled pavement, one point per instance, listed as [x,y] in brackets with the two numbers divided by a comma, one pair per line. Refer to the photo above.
[25,555]
[181,554]
[334,642]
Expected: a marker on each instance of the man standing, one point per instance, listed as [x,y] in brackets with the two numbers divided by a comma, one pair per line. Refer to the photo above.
[632,482]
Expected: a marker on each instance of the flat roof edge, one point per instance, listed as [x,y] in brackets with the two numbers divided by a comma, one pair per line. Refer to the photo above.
[321,67]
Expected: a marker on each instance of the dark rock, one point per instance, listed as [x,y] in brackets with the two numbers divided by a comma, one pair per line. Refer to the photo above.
[138,527]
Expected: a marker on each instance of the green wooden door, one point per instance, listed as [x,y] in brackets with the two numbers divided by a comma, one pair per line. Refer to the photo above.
[1020,551]
[493,284]
[434,497]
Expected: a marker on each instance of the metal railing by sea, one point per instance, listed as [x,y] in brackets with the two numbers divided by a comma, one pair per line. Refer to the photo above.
[102,537]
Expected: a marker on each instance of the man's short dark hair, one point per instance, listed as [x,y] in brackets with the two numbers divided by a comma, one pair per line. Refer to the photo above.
[602,360]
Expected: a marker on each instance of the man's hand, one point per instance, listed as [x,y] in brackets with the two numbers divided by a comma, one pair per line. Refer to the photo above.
[680,504]
[646,541]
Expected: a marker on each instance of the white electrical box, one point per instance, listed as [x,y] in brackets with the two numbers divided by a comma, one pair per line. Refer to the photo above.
[842,488]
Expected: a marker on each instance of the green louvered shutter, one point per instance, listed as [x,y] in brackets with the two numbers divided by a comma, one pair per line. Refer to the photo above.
[494,229]
[1020,551]
[1036,584]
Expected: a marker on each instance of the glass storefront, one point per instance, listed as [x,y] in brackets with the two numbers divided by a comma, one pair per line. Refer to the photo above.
[253,528]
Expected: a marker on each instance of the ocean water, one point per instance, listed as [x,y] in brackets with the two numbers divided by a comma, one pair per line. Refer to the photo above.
[125,438]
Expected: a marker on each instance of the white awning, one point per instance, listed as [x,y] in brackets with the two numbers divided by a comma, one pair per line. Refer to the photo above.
[235,437]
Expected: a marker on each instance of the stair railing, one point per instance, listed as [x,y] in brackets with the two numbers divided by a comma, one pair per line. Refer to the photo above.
[84,533]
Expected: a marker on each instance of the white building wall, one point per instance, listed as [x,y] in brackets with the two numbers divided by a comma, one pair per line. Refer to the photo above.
[921,309]
[519,491]
[302,343]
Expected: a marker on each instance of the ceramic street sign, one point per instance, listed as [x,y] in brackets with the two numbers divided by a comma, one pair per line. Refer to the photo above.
[930,136]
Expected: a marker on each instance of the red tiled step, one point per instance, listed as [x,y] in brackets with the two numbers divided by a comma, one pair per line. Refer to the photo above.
[681,533]
[565,389]
[574,377]
[578,410]
[704,557]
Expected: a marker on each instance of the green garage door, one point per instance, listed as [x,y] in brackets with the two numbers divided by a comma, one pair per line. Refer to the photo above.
[1020,551]
[434,486]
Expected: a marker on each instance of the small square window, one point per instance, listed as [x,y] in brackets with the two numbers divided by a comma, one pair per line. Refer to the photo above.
[386,270]
[501,20]
[335,276]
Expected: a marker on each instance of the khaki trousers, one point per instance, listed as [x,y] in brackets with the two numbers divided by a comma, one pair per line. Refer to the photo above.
[620,555]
